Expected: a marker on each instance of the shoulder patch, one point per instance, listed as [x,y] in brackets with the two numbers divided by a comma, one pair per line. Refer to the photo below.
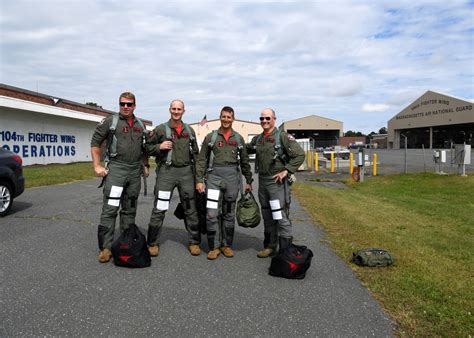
[290,137]
[102,122]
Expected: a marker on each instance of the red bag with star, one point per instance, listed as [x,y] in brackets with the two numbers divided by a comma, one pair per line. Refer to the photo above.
[292,263]
[130,249]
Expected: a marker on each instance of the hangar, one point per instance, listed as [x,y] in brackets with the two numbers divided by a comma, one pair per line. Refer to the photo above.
[321,131]
[434,120]
[247,129]
[43,129]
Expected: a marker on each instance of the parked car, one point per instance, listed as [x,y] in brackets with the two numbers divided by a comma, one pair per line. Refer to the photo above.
[343,153]
[12,183]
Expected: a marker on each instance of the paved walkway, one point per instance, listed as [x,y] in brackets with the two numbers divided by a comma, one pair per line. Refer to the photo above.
[52,284]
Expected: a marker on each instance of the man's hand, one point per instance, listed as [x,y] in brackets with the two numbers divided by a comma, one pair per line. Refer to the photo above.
[166,145]
[146,171]
[100,171]
[200,187]
[248,187]
[278,178]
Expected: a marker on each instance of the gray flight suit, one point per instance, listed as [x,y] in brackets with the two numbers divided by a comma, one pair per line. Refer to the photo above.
[275,218]
[123,181]
[223,178]
[178,173]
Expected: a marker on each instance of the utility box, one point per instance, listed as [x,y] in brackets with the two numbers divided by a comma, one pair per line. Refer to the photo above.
[462,154]
[360,158]
[439,156]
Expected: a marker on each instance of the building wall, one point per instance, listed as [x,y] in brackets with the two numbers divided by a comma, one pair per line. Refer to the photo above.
[314,123]
[43,129]
[430,110]
[245,128]
[379,141]
[346,141]
[42,139]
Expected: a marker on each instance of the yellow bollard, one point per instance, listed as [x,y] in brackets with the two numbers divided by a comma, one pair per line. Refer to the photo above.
[316,164]
[351,163]
[374,167]
[332,162]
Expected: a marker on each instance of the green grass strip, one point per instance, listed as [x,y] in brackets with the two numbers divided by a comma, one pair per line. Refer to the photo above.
[426,221]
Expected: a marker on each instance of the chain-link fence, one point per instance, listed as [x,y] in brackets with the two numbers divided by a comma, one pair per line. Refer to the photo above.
[387,161]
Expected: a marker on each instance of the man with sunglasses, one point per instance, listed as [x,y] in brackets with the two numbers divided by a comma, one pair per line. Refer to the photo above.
[278,155]
[125,163]
[175,147]
[222,154]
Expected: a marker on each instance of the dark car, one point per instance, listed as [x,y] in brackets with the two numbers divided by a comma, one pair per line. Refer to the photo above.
[12,183]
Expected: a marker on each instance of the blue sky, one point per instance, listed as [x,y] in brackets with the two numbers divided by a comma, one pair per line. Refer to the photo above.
[359,62]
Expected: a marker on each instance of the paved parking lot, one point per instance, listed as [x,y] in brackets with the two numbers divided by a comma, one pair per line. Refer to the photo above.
[52,284]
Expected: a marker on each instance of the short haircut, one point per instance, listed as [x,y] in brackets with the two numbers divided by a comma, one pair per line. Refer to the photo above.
[177,100]
[228,109]
[128,95]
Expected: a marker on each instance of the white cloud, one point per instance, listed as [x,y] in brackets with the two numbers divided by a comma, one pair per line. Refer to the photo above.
[302,58]
[375,107]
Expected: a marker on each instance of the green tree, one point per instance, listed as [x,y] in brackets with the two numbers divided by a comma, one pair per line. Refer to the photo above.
[93,104]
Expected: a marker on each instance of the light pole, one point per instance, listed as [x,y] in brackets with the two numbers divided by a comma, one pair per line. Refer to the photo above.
[406,142]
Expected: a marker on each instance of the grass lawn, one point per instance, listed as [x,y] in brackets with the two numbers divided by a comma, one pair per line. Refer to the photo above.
[39,175]
[427,222]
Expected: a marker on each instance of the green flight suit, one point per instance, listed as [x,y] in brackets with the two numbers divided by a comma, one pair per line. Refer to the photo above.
[178,173]
[224,180]
[123,181]
[275,198]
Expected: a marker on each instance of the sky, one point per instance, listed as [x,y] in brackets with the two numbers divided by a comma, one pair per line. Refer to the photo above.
[359,62]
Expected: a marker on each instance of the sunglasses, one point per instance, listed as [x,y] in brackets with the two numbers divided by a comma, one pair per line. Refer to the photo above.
[128,104]
[267,118]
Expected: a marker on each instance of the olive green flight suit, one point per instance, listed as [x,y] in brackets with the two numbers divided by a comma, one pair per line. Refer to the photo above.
[123,181]
[275,198]
[179,173]
[223,181]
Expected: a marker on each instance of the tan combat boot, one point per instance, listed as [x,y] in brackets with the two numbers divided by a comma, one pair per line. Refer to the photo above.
[153,250]
[227,251]
[105,256]
[213,254]
[267,252]
[194,249]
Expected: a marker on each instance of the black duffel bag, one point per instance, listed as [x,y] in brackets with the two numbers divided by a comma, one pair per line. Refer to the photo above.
[130,249]
[292,263]
[201,209]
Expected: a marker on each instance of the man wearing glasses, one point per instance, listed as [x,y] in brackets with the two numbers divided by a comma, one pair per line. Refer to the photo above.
[125,162]
[278,155]
[175,147]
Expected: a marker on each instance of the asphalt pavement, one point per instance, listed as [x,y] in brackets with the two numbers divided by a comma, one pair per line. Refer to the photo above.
[53,285]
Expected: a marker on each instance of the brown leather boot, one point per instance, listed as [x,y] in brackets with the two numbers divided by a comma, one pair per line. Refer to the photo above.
[267,252]
[213,254]
[227,251]
[153,250]
[194,249]
[105,256]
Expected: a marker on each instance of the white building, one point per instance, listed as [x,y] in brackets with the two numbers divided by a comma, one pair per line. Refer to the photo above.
[44,129]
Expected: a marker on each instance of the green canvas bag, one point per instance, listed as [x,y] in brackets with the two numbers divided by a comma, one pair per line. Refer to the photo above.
[373,257]
[248,211]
